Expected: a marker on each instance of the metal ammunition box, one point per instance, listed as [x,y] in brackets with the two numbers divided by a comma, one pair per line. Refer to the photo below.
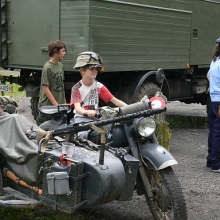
[58,183]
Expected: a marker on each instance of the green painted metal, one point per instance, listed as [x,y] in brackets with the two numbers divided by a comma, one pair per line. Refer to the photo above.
[3,34]
[130,35]
[138,36]
[74,29]
[31,25]
[205,21]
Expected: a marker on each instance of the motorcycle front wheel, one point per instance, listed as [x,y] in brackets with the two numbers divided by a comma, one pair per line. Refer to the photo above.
[168,202]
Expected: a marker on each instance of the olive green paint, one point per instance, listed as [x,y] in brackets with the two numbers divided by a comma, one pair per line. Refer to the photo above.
[31,25]
[130,35]
[205,20]
[139,37]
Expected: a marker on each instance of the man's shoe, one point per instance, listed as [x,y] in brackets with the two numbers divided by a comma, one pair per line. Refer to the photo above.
[216,171]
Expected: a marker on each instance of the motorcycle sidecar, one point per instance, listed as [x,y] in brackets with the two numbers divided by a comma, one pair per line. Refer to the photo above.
[90,183]
[64,184]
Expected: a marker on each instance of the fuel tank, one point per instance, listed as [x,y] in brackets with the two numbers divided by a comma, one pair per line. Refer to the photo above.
[106,182]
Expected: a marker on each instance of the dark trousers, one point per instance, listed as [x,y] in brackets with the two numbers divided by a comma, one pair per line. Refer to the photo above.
[213,157]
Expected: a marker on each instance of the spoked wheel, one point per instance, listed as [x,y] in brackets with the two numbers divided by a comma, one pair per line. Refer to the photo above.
[168,202]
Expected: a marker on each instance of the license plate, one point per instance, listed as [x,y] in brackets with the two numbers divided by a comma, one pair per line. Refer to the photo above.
[5,88]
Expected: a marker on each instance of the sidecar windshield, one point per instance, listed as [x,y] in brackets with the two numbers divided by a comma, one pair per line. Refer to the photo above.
[52,109]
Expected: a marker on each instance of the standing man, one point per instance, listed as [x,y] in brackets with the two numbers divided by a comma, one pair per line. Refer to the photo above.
[213,159]
[52,87]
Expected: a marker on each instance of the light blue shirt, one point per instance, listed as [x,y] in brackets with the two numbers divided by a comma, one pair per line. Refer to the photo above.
[214,80]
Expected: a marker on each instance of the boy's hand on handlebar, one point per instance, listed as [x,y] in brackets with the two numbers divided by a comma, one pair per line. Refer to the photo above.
[90,113]
[93,114]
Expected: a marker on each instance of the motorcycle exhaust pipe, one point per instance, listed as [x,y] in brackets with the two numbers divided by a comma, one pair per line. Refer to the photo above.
[17,201]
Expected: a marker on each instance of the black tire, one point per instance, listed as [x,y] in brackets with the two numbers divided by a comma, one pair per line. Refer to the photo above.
[147,88]
[34,107]
[168,201]
[150,89]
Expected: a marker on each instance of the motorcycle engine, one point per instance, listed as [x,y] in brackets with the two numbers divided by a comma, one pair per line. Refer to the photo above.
[117,138]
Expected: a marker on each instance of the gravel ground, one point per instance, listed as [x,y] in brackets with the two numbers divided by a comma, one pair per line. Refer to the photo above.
[24,107]
[180,108]
[200,185]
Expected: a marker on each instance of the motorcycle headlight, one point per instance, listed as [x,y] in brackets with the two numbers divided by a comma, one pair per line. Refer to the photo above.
[145,127]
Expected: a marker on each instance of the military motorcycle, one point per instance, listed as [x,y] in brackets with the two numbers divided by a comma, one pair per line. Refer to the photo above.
[56,169]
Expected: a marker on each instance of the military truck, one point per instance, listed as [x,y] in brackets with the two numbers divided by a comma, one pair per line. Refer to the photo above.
[134,38]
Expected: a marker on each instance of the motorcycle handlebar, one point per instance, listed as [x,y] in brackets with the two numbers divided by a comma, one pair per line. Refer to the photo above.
[97,115]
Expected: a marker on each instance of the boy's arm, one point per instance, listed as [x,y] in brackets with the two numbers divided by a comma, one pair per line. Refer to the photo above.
[118,102]
[49,94]
[106,96]
[82,111]
[79,109]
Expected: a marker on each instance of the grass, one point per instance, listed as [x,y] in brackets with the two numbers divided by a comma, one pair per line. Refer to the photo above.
[16,90]
[43,213]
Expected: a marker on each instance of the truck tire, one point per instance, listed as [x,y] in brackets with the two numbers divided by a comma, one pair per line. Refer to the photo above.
[147,88]
[150,89]
[34,107]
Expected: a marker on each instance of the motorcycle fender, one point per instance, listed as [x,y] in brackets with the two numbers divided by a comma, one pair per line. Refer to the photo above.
[157,155]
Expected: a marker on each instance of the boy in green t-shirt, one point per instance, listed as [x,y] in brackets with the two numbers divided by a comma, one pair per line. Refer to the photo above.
[52,87]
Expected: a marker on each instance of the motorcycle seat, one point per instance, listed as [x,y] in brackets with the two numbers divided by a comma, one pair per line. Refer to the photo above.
[52,109]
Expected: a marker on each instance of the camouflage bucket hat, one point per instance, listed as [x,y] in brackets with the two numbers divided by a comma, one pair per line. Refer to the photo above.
[88,58]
